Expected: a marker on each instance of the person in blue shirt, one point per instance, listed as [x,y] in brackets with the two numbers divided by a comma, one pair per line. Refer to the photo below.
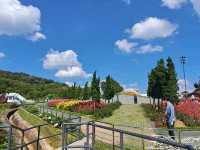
[170,117]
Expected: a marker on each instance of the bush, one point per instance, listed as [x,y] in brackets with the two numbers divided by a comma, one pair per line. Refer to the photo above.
[106,111]
[189,121]
[32,109]
[150,112]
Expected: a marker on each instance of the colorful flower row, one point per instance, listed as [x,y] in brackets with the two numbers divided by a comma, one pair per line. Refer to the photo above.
[89,106]
[54,102]
[190,108]
[67,104]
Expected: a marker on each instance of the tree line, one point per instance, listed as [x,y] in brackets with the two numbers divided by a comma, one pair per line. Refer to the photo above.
[163,82]
[37,88]
[96,90]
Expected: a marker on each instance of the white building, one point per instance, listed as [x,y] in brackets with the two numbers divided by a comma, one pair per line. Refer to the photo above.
[15,98]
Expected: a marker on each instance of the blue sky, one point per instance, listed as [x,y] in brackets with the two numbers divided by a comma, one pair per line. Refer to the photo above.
[68,40]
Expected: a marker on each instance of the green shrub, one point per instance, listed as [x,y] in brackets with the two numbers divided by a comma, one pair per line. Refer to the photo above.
[106,111]
[32,109]
[189,121]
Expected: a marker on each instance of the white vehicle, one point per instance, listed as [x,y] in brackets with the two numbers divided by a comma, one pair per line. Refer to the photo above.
[15,98]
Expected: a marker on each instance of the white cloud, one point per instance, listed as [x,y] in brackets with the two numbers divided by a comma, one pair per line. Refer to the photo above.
[181,84]
[37,36]
[196,5]
[174,4]
[69,83]
[2,55]
[125,46]
[72,72]
[17,19]
[60,60]
[66,64]
[128,2]
[152,28]
[149,49]
[131,87]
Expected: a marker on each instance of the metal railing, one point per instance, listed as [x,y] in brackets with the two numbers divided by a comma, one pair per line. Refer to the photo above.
[91,136]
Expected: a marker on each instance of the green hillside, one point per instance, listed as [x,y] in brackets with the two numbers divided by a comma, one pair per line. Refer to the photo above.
[29,86]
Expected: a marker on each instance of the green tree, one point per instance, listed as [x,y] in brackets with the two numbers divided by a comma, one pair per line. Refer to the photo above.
[86,92]
[110,88]
[172,82]
[95,89]
[151,92]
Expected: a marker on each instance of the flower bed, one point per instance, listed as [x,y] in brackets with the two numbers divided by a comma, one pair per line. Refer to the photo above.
[97,109]
[54,102]
[68,105]
[89,106]
[189,112]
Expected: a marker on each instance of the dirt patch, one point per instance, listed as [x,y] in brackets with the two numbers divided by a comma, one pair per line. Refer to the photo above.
[179,124]
[29,135]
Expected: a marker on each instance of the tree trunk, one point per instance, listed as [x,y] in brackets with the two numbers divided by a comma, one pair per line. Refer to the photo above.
[154,102]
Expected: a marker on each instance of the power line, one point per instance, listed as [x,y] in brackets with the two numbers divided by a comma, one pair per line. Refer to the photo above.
[183,62]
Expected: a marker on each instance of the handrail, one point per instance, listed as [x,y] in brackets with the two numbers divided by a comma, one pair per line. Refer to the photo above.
[172,143]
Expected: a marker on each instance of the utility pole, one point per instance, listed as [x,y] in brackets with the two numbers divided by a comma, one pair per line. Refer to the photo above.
[183,62]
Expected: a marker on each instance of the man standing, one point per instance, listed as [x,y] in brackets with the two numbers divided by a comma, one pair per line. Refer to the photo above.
[170,117]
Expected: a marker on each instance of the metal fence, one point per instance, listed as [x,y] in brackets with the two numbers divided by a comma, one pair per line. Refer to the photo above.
[87,135]
[91,138]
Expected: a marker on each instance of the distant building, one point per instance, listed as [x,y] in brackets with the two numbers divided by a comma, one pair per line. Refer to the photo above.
[15,98]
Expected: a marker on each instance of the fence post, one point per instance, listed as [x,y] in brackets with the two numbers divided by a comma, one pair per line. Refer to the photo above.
[22,140]
[10,137]
[88,135]
[70,116]
[179,135]
[38,138]
[143,146]
[63,136]
[62,114]
[121,141]
[79,130]
[43,108]
[113,134]
[93,135]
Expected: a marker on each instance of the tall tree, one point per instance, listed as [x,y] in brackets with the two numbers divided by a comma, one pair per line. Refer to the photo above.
[151,92]
[86,92]
[95,89]
[110,88]
[172,81]
[160,80]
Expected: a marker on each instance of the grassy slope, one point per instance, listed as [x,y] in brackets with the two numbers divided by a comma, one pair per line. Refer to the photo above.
[130,115]
[45,131]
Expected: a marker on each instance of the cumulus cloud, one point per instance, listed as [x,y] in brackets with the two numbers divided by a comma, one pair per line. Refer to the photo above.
[69,83]
[2,55]
[37,36]
[181,84]
[149,49]
[72,72]
[61,60]
[152,28]
[17,19]
[128,2]
[174,4]
[196,5]
[125,46]
[66,63]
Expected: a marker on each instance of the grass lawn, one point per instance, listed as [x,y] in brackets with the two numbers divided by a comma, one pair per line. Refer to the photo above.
[127,117]
[47,130]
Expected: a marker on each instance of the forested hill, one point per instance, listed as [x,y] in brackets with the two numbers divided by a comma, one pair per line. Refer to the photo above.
[30,86]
